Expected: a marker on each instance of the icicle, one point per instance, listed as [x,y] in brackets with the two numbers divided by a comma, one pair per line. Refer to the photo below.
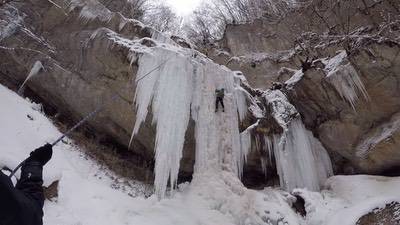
[301,160]
[37,66]
[269,148]
[342,75]
[168,89]
[240,95]
[245,146]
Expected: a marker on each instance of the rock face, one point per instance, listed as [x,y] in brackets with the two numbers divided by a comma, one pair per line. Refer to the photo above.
[360,133]
[266,45]
[384,216]
[86,60]
[368,133]
[89,56]
[85,63]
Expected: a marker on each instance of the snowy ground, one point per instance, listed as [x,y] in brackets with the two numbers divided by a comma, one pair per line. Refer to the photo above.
[86,196]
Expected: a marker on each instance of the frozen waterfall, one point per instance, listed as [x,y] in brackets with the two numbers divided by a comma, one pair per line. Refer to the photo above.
[179,84]
[301,160]
[182,89]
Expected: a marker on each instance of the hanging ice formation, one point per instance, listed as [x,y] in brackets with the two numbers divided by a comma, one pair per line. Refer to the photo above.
[301,160]
[182,89]
[178,84]
[37,66]
[342,75]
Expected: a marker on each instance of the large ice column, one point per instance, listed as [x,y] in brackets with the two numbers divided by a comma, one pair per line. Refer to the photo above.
[218,143]
[168,89]
[301,160]
[300,163]
[178,85]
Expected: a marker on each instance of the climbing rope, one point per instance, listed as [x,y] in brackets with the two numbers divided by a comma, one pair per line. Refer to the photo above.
[137,81]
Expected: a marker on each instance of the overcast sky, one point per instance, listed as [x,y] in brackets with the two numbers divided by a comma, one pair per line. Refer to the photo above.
[183,7]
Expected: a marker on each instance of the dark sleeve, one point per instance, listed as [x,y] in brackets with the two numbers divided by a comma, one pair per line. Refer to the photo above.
[6,185]
[31,182]
[8,203]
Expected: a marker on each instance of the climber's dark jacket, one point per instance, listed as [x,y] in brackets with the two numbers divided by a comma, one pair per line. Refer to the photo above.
[220,93]
[22,204]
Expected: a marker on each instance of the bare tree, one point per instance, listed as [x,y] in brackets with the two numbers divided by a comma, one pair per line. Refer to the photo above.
[162,18]
[3,2]
[129,8]
[211,19]
[136,8]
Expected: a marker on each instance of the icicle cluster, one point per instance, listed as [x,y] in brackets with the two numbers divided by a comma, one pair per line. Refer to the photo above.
[183,88]
[301,160]
[342,75]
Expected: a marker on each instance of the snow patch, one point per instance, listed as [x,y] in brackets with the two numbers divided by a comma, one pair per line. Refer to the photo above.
[348,198]
[281,109]
[297,76]
[378,135]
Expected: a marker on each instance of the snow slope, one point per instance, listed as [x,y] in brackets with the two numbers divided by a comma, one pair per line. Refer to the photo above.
[348,198]
[85,193]
[86,196]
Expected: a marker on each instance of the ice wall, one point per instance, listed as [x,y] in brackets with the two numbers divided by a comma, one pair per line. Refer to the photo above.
[181,89]
[301,161]
[178,84]
[169,90]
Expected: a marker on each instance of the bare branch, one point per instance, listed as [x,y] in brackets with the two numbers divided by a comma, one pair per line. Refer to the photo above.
[3,2]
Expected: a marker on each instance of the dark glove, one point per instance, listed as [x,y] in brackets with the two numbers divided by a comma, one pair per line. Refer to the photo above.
[42,154]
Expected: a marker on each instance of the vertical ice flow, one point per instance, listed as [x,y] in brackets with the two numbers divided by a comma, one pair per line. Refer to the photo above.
[301,160]
[184,89]
[181,89]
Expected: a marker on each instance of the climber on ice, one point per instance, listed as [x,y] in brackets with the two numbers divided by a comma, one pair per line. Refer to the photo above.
[23,204]
[220,94]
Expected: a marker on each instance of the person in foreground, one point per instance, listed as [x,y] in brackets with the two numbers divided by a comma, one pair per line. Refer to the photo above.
[23,204]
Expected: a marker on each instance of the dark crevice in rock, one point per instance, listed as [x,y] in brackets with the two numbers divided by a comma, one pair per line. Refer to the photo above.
[299,205]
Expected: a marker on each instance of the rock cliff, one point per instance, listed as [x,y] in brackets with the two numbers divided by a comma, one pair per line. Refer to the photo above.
[351,103]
